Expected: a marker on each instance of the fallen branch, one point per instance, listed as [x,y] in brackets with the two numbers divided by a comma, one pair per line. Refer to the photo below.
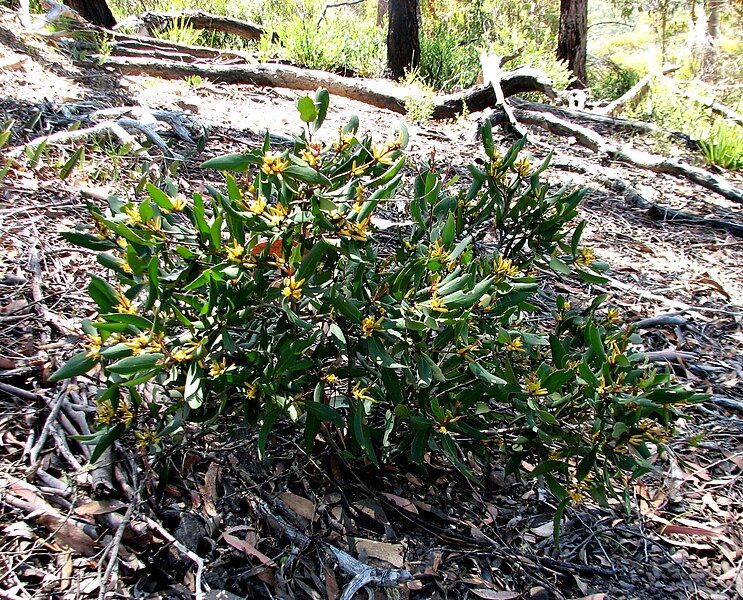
[159,22]
[661,321]
[363,575]
[381,93]
[491,72]
[630,98]
[619,123]
[665,214]
[726,402]
[651,162]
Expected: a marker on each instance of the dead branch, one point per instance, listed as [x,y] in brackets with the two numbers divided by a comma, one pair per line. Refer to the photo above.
[155,22]
[630,98]
[660,321]
[619,123]
[363,575]
[491,63]
[644,160]
[665,214]
[726,402]
[375,92]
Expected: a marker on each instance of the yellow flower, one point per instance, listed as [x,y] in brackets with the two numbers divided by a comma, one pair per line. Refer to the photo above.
[125,305]
[133,215]
[437,305]
[292,288]
[274,163]
[523,167]
[357,171]
[369,325]
[504,267]
[138,344]
[179,202]
[310,157]
[515,345]
[94,347]
[534,386]
[186,352]
[359,393]
[146,438]
[612,315]
[218,368]
[344,140]
[277,213]
[252,391]
[354,231]
[105,414]
[329,378]
[437,252]
[257,206]
[382,154]
[585,257]
[235,252]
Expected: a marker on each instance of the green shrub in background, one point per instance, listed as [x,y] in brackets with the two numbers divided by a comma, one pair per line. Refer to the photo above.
[278,298]
[609,80]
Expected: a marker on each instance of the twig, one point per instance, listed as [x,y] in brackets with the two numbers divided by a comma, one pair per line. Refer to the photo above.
[726,402]
[113,548]
[195,558]
[363,575]
[18,392]
[661,320]
[39,445]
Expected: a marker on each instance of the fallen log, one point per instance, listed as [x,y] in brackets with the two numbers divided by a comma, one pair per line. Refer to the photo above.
[381,93]
[644,160]
[159,22]
[492,75]
[619,123]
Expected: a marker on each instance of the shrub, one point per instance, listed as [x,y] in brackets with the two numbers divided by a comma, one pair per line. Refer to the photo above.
[278,298]
[609,80]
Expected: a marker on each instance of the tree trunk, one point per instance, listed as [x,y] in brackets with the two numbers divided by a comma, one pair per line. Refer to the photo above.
[94,11]
[382,8]
[403,44]
[712,39]
[571,43]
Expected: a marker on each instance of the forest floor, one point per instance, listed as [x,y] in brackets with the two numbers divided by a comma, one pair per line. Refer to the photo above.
[682,536]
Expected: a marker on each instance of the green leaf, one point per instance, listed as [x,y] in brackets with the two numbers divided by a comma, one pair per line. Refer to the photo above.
[105,441]
[72,162]
[86,240]
[229,162]
[436,372]
[77,365]
[193,393]
[324,412]
[392,386]
[102,293]
[361,434]
[322,101]
[307,109]
[159,197]
[304,172]
[485,375]
[135,364]
[559,266]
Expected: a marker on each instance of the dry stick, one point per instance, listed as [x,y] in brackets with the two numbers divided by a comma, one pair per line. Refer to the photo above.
[491,72]
[68,136]
[652,162]
[113,548]
[669,355]
[41,441]
[363,575]
[661,320]
[726,402]
[101,475]
[195,558]
[18,392]
[61,443]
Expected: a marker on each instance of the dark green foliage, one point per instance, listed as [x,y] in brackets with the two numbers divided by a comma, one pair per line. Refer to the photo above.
[274,299]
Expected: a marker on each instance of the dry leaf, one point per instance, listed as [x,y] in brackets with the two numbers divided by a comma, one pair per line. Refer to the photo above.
[99,507]
[544,530]
[689,530]
[302,506]
[332,590]
[389,553]
[401,503]
[249,549]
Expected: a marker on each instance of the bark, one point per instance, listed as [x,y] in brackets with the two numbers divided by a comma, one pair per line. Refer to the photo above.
[201,20]
[376,92]
[382,9]
[94,11]
[492,75]
[403,43]
[572,38]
